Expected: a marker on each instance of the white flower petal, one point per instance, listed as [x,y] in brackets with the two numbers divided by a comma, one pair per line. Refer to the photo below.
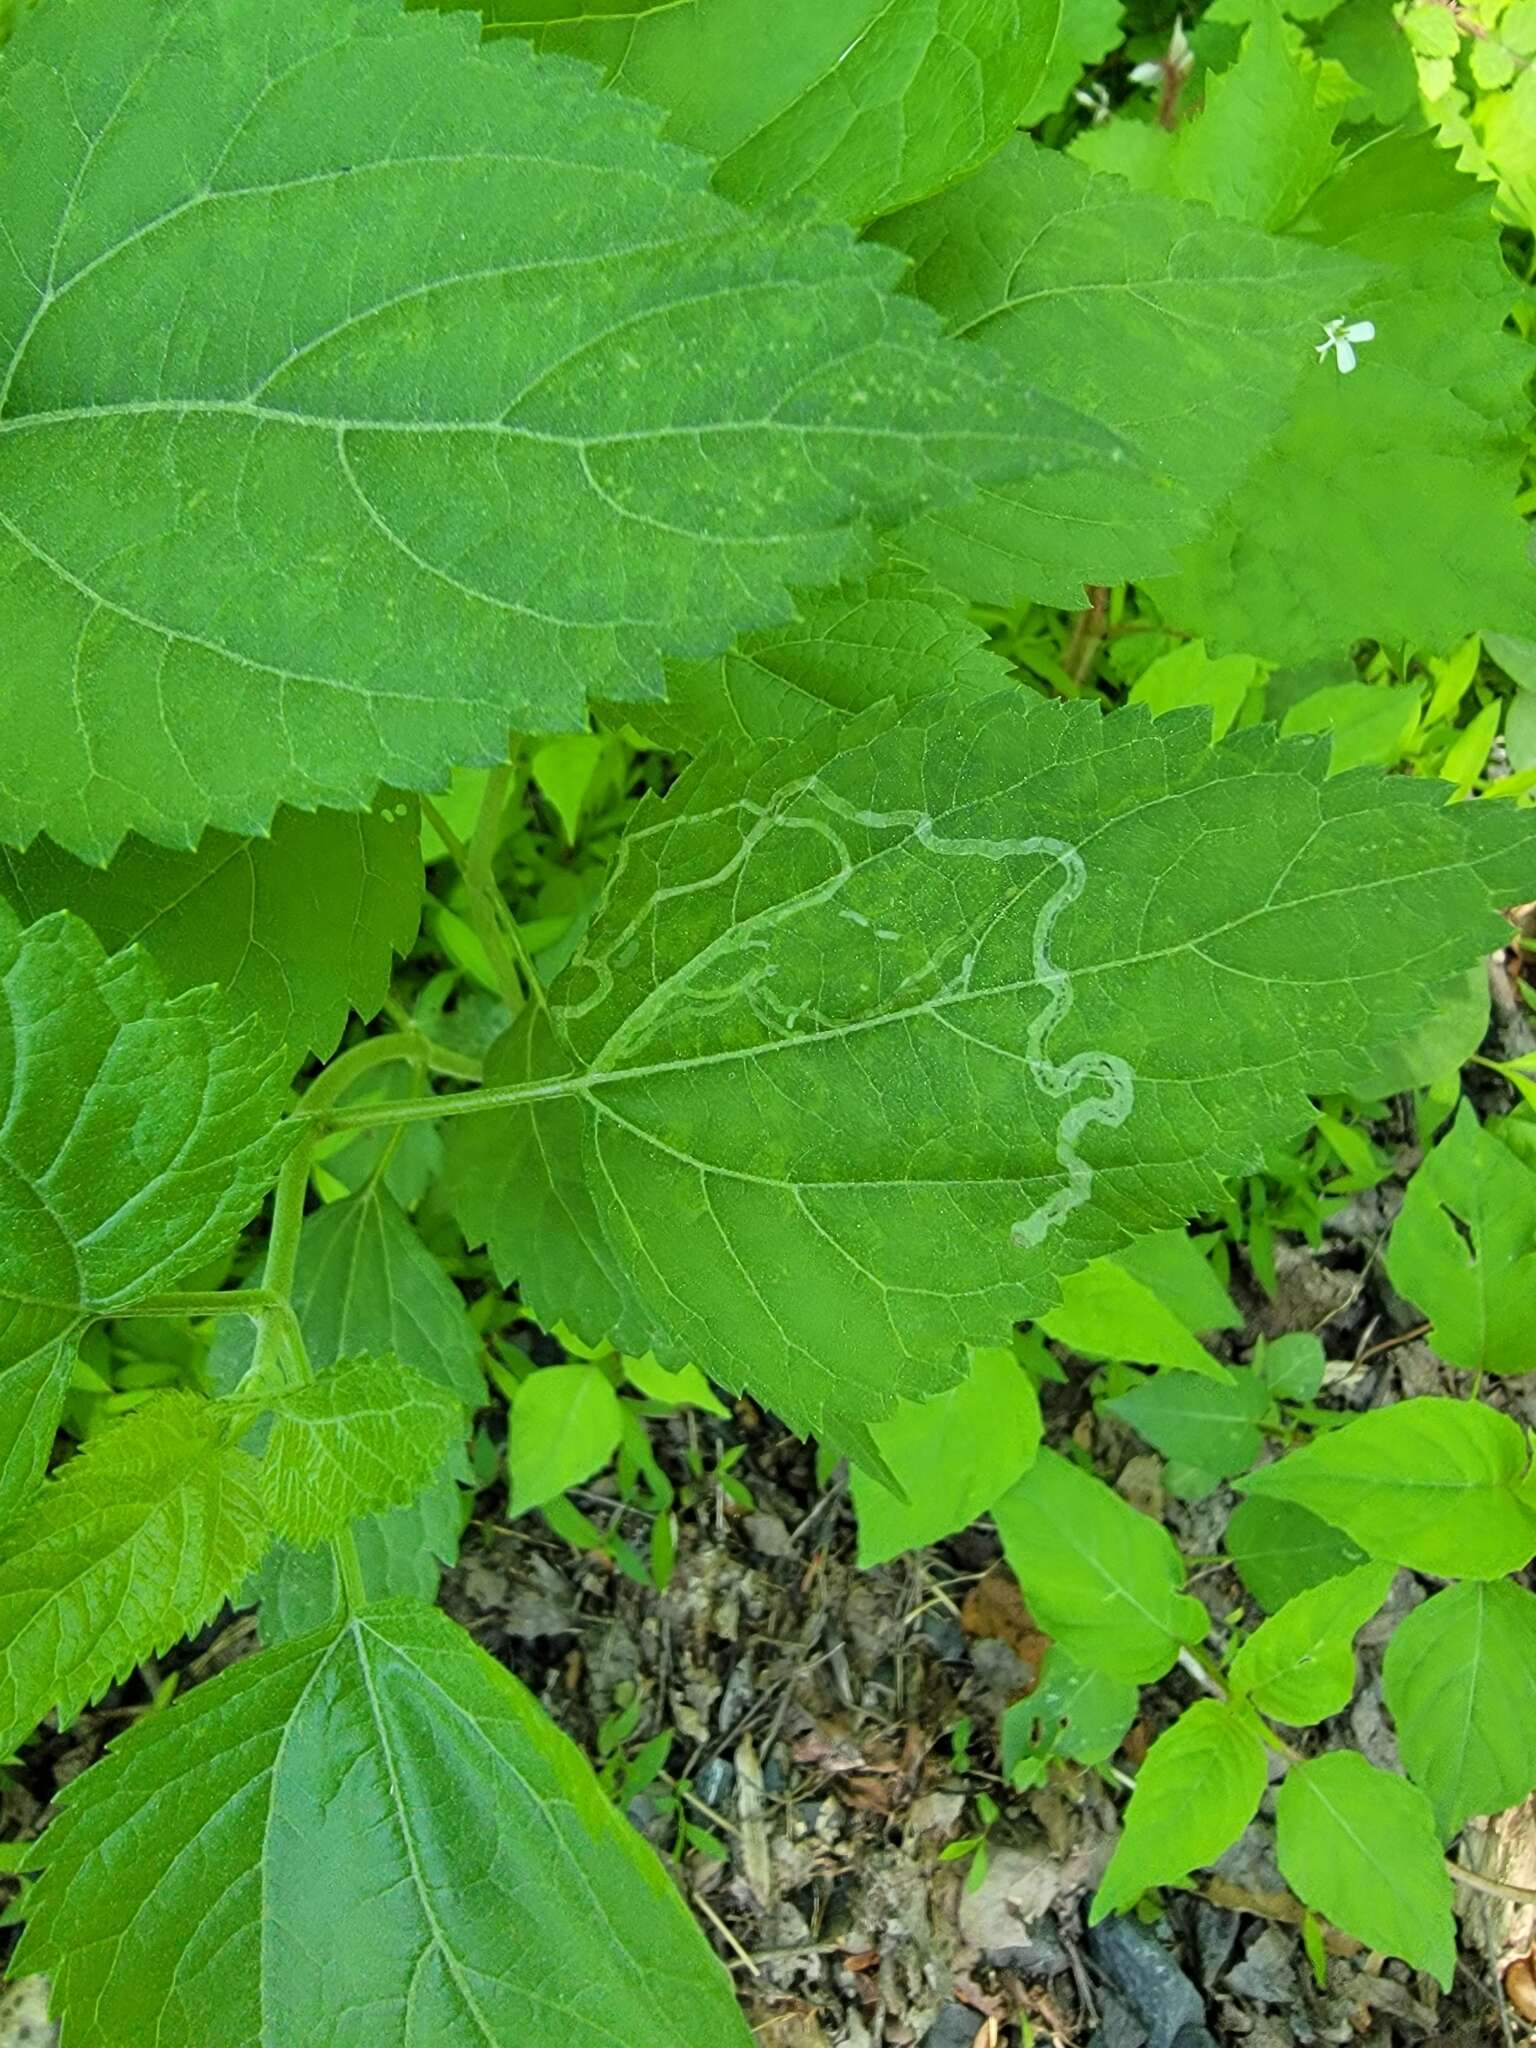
[1150,73]
[1346,355]
[1360,330]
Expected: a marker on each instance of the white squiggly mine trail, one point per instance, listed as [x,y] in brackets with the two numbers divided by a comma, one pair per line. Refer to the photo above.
[1094,1087]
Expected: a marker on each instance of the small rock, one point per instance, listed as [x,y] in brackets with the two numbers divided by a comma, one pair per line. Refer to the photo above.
[1135,1962]
[1267,1973]
[24,2021]
[768,1535]
[956,2027]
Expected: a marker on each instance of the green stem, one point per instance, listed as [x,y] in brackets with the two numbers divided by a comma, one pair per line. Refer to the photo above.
[376,1115]
[234,1301]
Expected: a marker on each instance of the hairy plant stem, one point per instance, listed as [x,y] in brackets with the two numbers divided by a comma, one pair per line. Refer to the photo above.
[490,919]
[232,1301]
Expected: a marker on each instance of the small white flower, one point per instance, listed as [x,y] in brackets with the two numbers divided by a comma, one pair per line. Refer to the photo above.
[1341,339]
[1172,68]
[1096,101]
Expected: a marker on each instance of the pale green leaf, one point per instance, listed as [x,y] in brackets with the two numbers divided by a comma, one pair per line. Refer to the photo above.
[366,1284]
[1209,1424]
[285,361]
[564,1426]
[1138,1307]
[1292,1366]
[400,1553]
[1358,1845]
[370,1834]
[1463,1249]
[1410,464]
[363,1436]
[1198,1789]
[893,635]
[1189,675]
[1184,332]
[1441,1486]
[856,105]
[876,1034]
[1073,1711]
[137,1133]
[138,1542]
[298,928]
[1367,725]
[952,1455]
[687,1387]
[1086,30]
[1299,1666]
[1280,1549]
[1099,1577]
[1460,1684]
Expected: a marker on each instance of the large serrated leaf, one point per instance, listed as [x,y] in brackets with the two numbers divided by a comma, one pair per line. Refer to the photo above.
[877,1035]
[370,1834]
[137,1133]
[298,928]
[365,390]
[137,1543]
[856,105]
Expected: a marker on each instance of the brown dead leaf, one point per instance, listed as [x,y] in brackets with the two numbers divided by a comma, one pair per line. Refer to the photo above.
[994,1608]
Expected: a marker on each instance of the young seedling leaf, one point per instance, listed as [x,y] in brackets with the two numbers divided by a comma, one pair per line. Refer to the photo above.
[351,416]
[877,1034]
[1198,1789]
[1299,1666]
[1113,1310]
[1460,1684]
[858,106]
[137,1542]
[1463,1249]
[139,1133]
[1210,1425]
[1441,1486]
[1074,1712]
[1281,1549]
[565,1425]
[376,1833]
[298,929]
[1358,1845]
[1100,1578]
[953,1455]
[363,1436]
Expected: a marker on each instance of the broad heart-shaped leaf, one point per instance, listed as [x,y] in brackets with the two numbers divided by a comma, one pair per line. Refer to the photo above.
[298,928]
[856,105]
[371,1834]
[1281,1549]
[137,1133]
[1460,1684]
[1185,332]
[1441,1486]
[355,409]
[1100,1578]
[875,1035]
[1415,455]
[365,1436]
[1299,1666]
[1211,1426]
[1463,1249]
[1358,1845]
[952,1455]
[138,1542]
[365,1283]
[891,635]
[1198,1789]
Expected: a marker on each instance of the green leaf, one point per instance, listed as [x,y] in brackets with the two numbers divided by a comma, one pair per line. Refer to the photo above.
[282,557]
[400,1553]
[1100,1578]
[373,1833]
[297,929]
[1358,1845]
[137,1133]
[1074,1711]
[1280,1549]
[1198,1789]
[1463,1249]
[1299,1666]
[687,1387]
[850,1067]
[1292,1366]
[1086,30]
[1188,675]
[565,1425]
[1440,1046]
[1460,1683]
[361,1437]
[856,105]
[1142,1306]
[1186,333]
[893,635]
[1208,1424]
[952,1455]
[1415,455]
[138,1542]
[366,1284]
[1441,1486]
